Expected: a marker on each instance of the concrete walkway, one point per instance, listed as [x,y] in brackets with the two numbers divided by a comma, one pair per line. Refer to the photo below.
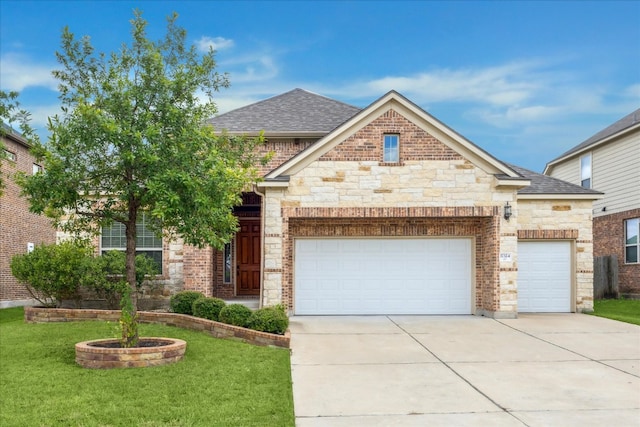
[538,370]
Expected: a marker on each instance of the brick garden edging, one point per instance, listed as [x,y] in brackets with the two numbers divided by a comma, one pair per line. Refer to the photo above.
[97,354]
[215,329]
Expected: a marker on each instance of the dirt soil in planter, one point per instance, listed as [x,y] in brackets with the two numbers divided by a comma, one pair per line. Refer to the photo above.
[142,342]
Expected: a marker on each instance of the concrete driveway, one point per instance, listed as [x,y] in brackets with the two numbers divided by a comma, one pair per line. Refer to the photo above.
[538,370]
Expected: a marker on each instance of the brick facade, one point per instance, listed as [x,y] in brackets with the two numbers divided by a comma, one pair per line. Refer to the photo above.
[415,143]
[384,222]
[18,226]
[608,233]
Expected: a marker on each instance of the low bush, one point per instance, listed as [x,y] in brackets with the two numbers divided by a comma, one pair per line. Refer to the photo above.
[208,308]
[109,281]
[235,314]
[182,302]
[269,319]
[53,273]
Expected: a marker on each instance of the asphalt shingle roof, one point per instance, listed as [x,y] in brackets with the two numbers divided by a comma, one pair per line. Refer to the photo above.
[543,184]
[296,111]
[622,124]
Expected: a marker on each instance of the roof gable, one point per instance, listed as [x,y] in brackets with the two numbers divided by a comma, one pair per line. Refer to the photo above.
[295,113]
[393,101]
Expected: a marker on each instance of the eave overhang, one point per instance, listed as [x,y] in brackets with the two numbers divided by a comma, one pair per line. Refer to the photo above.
[560,196]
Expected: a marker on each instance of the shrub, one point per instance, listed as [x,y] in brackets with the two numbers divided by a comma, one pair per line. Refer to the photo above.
[208,308]
[269,319]
[182,302]
[53,273]
[235,314]
[108,275]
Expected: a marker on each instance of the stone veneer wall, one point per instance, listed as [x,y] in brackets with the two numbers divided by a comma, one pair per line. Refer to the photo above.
[563,220]
[608,239]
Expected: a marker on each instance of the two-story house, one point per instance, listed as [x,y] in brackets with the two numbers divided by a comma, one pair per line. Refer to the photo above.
[609,162]
[20,230]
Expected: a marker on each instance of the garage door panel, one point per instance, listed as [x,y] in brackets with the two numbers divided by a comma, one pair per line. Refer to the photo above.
[383,276]
[544,276]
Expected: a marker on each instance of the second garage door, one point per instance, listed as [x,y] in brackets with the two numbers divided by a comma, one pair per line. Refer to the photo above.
[382,276]
[544,276]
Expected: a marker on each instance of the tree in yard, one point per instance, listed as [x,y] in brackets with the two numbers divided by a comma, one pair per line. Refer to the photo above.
[132,139]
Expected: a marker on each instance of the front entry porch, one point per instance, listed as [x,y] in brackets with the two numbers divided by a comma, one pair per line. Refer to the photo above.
[236,272]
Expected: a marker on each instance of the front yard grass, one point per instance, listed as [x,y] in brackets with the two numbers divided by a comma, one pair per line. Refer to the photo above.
[218,383]
[624,310]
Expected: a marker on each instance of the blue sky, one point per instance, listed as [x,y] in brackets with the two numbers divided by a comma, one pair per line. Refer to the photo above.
[523,80]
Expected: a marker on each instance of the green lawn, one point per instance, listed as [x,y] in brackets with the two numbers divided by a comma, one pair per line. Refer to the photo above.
[218,383]
[625,310]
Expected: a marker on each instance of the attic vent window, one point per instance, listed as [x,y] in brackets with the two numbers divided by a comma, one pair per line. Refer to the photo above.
[391,149]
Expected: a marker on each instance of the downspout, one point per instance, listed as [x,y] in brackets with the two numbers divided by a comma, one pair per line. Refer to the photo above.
[262,240]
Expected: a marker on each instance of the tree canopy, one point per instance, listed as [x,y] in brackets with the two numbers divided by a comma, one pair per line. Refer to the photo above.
[132,138]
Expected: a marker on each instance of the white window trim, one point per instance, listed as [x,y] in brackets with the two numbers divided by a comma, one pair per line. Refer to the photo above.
[583,175]
[384,150]
[160,249]
[9,155]
[626,245]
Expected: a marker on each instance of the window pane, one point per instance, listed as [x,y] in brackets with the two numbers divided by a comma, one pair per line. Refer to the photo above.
[113,237]
[632,231]
[585,171]
[156,256]
[227,263]
[390,148]
[631,254]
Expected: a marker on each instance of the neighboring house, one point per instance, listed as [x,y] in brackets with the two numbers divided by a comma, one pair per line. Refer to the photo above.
[19,229]
[386,210]
[609,162]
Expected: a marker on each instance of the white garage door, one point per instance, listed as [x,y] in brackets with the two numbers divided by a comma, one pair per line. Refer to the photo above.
[544,277]
[382,276]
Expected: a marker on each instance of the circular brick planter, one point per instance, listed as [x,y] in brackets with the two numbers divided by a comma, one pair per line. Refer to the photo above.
[107,353]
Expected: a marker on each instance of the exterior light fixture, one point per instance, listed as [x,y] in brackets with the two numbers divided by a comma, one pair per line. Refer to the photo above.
[507,211]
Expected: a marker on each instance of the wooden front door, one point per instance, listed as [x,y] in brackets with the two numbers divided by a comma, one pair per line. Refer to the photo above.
[248,258]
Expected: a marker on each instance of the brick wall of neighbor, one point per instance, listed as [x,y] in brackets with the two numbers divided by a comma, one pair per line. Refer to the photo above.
[563,220]
[608,239]
[17,225]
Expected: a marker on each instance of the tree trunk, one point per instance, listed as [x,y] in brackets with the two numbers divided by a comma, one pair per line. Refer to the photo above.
[129,319]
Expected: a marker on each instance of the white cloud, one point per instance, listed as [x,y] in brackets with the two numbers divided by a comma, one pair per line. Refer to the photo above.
[216,43]
[633,91]
[18,72]
[250,68]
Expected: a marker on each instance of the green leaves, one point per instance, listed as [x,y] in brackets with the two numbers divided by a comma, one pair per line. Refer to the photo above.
[132,137]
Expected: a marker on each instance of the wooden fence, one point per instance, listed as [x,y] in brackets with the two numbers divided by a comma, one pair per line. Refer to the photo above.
[605,277]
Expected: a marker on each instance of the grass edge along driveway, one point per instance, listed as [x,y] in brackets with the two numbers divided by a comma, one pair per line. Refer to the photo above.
[218,383]
[624,310]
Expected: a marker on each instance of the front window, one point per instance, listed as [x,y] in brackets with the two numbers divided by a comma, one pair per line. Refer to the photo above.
[9,155]
[36,169]
[391,151]
[632,242]
[227,263]
[147,243]
[585,171]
